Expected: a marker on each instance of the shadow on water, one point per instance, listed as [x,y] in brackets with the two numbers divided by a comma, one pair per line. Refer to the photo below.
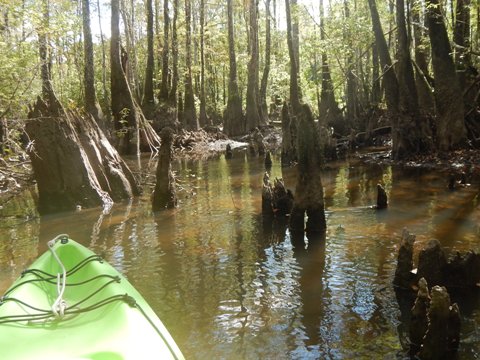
[229,283]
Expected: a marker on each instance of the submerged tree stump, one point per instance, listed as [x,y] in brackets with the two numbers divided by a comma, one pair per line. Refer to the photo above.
[73,162]
[460,270]
[419,318]
[403,272]
[164,195]
[443,331]
[228,152]
[309,189]
[431,263]
[463,270]
[382,199]
[268,161]
[435,324]
[277,200]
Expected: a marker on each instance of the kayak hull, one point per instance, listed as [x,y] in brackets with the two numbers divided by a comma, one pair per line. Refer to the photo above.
[105,316]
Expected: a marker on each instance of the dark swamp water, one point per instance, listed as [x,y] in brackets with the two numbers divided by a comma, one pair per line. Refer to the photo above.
[229,285]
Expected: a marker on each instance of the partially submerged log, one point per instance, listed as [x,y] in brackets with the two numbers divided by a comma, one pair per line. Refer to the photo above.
[73,162]
[164,195]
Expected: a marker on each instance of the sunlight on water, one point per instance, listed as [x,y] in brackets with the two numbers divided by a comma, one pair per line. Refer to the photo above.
[229,284]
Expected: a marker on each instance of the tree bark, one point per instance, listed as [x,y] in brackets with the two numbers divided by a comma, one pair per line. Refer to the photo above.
[422,45]
[123,108]
[390,79]
[329,112]
[48,93]
[91,105]
[412,134]
[461,38]
[295,33]
[203,120]
[266,69]
[148,104]
[82,169]
[451,132]
[233,117]
[131,70]
[351,90]
[309,190]
[173,90]
[166,25]
[164,195]
[189,112]
[252,108]
[104,57]
[294,88]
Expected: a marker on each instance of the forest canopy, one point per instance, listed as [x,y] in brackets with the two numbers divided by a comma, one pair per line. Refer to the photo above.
[360,64]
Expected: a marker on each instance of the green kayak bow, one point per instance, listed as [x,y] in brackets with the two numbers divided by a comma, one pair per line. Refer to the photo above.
[71,304]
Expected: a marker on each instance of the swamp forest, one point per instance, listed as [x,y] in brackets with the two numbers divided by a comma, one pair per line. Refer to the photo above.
[279,179]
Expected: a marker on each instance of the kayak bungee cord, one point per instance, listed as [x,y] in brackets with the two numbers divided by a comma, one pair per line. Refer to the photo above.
[59,305]
[59,311]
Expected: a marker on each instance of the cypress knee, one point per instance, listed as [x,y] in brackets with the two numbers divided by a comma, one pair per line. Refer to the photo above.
[164,195]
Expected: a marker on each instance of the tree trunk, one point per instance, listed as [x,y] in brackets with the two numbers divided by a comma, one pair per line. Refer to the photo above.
[148,104]
[451,132]
[252,108]
[82,169]
[295,32]
[351,91]
[166,25]
[127,115]
[48,94]
[461,38]
[91,105]
[425,96]
[131,70]
[412,134]
[376,88]
[203,120]
[266,69]
[189,112]
[173,91]
[309,190]
[104,57]
[164,195]
[234,123]
[294,88]
[329,112]
[390,80]
[123,109]
[2,136]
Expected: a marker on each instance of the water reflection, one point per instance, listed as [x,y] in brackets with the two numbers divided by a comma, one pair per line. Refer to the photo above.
[229,283]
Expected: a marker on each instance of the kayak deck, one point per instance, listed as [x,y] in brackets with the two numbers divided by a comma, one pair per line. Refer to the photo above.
[105,317]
